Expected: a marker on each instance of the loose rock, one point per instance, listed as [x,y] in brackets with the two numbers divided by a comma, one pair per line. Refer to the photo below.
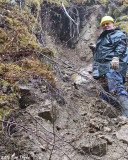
[97,147]
[122,134]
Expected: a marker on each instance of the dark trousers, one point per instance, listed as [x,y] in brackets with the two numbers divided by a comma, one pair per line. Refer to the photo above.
[112,83]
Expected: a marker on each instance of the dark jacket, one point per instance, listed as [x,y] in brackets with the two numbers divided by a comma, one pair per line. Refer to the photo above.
[111,43]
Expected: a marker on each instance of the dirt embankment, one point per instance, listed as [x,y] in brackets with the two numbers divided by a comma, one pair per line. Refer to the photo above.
[69,121]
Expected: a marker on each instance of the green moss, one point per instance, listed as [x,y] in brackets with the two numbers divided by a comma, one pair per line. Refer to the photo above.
[125,2]
[102,1]
[12,103]
[122,18]
[3,36]
[4,83]
[8,22]
[116,13]
[18,31]
[65,2]
[124,26]
[34,2]
[3,111]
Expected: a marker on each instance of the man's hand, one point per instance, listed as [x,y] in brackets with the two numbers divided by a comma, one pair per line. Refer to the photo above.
[115,63]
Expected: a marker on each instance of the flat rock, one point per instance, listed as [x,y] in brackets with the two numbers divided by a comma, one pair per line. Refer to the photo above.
[84,75]
[122,134]
[27,97]
[107,138]
[107,129]
[46,114]
[96,147]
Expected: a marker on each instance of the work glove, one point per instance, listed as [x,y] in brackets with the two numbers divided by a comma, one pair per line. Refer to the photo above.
[114,63]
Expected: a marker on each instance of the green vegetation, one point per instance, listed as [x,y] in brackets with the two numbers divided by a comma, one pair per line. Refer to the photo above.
[20,51]
[65,2]
[122,22]
[18,31]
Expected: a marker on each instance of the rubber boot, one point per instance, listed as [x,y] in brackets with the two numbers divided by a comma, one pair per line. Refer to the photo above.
[123,100]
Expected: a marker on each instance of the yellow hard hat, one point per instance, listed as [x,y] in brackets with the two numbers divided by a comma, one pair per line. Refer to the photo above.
[105,19]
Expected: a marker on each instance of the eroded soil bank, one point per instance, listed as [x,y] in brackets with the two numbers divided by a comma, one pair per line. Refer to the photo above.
[68,121]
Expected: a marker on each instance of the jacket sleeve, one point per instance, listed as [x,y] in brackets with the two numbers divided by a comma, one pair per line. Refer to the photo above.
[120,45]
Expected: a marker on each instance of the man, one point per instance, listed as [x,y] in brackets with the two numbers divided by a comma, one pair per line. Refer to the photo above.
[110,62]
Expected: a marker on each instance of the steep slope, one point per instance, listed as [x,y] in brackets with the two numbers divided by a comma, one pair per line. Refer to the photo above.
[54,112]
